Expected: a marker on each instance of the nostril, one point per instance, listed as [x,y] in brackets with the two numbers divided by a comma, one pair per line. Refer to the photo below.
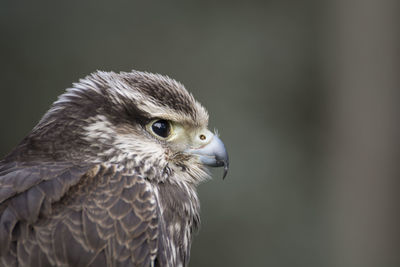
[202,137]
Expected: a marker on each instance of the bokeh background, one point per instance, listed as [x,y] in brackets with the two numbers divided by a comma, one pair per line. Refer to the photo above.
[303,93]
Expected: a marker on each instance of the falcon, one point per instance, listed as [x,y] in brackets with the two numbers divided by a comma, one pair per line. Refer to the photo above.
[108,176]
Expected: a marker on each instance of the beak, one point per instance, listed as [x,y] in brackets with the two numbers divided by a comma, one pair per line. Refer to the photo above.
[213,154]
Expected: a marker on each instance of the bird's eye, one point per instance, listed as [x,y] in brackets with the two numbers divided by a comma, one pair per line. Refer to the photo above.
[161,128]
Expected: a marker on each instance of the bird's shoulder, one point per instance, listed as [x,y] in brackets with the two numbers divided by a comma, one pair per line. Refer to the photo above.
[101,210]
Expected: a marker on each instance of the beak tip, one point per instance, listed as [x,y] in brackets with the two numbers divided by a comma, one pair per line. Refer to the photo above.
[226,167]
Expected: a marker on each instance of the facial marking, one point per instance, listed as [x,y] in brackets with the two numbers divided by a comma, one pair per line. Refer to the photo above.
[130,148]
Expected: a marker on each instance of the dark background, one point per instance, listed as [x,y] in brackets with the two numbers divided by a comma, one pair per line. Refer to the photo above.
[279,79]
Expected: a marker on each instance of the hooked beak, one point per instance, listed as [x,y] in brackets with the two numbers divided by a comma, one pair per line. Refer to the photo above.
[213,154]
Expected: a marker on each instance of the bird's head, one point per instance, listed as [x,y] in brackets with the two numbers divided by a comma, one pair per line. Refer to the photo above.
[140,121]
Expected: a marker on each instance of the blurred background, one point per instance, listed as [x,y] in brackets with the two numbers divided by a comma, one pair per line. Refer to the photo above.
[305,95]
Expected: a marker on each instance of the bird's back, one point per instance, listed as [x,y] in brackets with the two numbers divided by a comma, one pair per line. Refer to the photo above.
[78,216]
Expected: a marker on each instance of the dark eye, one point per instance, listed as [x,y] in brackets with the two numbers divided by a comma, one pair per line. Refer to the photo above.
[161,128]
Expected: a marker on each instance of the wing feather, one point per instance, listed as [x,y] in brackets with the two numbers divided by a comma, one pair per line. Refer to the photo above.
[64,214]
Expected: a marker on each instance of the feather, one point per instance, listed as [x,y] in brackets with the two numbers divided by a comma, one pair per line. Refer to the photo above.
[73,233]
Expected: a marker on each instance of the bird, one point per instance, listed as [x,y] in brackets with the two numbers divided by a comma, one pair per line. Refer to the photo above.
[108,176]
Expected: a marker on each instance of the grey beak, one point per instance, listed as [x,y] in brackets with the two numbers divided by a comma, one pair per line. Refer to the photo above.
[213,154]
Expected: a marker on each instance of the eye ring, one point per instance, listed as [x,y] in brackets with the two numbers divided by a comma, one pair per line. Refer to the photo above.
[160,128]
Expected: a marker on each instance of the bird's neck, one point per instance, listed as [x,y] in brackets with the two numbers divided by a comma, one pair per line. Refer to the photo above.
[180,209]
